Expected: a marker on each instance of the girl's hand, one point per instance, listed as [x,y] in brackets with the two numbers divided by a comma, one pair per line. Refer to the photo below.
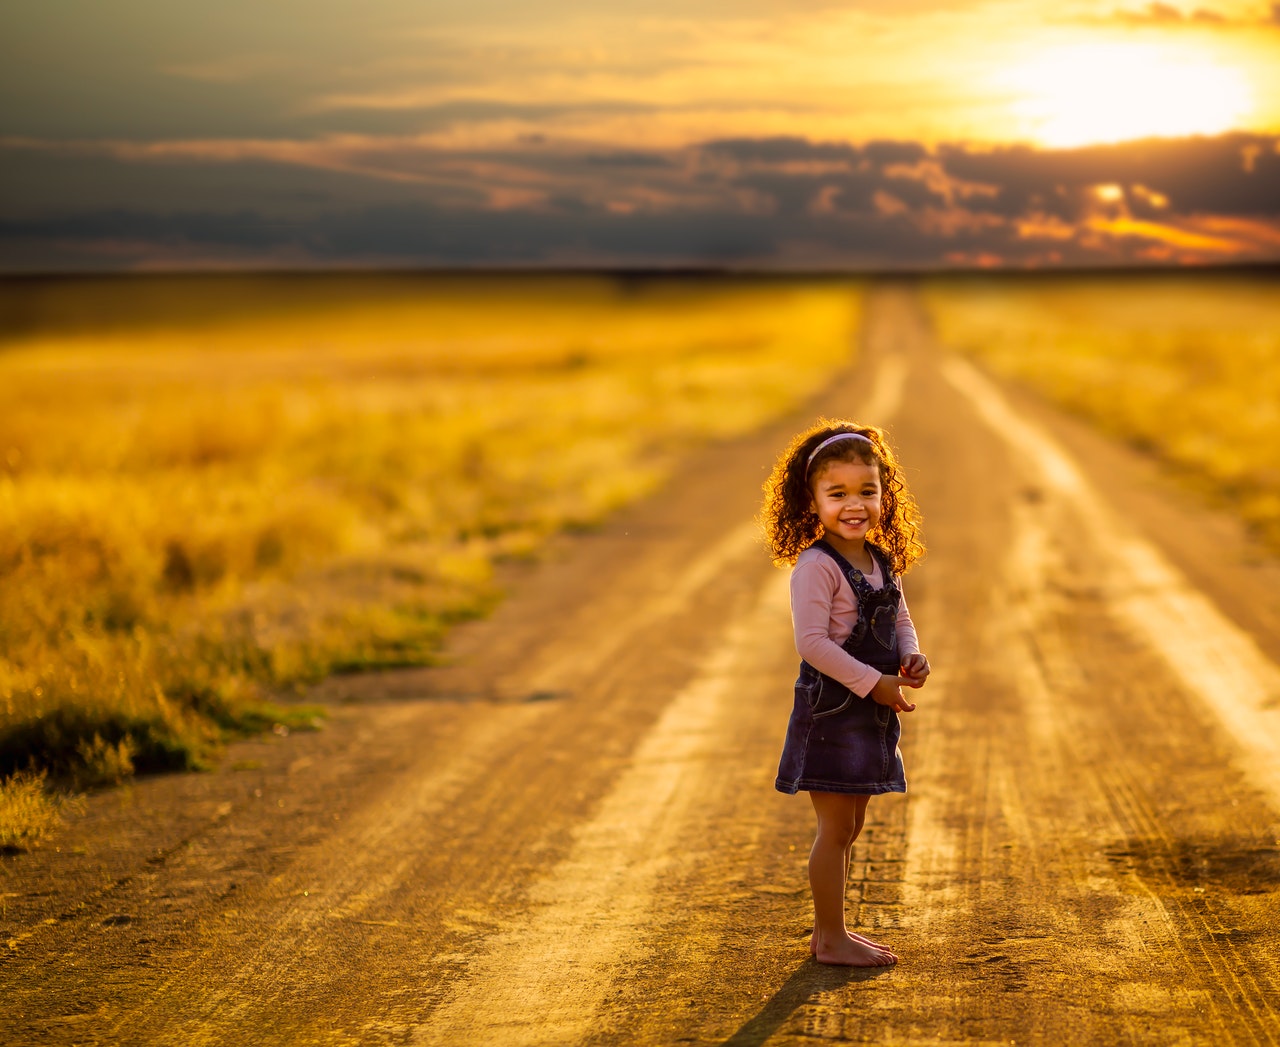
[915,667]
[889,692]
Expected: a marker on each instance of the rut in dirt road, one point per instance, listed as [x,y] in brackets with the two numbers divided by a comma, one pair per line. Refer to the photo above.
[571,835]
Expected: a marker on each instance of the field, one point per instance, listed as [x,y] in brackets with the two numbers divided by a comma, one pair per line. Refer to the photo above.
[215,491]
[1183,366]
[1086,853]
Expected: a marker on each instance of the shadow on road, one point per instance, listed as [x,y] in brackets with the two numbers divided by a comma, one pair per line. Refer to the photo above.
[807,981]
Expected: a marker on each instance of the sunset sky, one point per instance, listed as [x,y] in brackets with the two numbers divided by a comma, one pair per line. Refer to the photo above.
[158,134]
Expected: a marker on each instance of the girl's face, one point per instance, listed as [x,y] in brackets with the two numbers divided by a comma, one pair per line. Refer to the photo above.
[846,497]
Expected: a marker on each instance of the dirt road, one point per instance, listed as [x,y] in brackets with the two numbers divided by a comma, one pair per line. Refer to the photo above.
[570,836]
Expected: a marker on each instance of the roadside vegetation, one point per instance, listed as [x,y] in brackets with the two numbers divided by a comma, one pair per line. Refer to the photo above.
[1183,366]
[216,491]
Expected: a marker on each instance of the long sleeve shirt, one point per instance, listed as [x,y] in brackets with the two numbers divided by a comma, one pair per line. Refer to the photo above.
[824,611]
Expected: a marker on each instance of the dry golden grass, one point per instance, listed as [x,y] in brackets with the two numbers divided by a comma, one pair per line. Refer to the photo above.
[1185,366]
[213,492]
[28,811]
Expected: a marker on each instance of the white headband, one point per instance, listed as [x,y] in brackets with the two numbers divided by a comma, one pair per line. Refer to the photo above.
[830,440]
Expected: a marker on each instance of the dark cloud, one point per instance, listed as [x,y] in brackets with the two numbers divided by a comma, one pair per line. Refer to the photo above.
[790,150]
[779,202]
[780,150]
[797,176]
[245,229]
[894,152]
[913,192]
[630,160]
[425,234]
[1235,174]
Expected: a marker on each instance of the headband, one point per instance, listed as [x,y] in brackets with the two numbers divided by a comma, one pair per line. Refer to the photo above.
[830,440]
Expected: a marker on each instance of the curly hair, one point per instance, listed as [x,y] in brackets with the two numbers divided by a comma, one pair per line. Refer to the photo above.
[791,525]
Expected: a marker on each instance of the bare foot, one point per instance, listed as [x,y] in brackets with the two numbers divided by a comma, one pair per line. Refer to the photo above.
[813,944]
[874,944]
[852,952]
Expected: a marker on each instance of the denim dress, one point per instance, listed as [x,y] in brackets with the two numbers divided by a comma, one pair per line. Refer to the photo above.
[836,741]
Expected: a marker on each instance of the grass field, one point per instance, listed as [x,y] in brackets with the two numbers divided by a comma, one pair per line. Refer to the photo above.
[1184,366]
[214,491]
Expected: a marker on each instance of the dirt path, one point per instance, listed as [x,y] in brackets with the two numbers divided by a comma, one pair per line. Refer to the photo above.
[571,836]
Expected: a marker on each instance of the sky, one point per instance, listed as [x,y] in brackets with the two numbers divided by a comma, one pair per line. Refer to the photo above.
[798,136]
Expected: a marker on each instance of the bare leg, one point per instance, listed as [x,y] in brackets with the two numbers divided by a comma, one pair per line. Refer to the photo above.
[860,817]
[848,859]
[840,817]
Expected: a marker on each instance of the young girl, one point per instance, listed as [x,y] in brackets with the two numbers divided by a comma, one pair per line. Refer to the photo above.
[837,508]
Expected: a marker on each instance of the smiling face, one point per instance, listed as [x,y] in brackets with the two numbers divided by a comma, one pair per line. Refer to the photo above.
[846,497]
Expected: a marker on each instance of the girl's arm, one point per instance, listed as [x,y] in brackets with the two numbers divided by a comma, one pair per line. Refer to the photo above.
[915,666]
[908,642]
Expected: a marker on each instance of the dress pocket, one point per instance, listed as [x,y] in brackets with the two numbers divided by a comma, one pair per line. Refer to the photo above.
[884,626]
[832,697]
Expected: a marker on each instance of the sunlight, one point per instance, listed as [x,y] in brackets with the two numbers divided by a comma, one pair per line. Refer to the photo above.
[1086,94]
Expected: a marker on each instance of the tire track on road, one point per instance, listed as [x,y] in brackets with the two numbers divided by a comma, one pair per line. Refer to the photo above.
[1165,611]
[544,981]
[311,898]
[315,896]
[1184,631]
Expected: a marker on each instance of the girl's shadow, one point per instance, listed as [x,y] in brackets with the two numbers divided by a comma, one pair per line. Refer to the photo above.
[806,982]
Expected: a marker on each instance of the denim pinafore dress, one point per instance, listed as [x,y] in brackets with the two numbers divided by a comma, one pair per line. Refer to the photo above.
[836,741]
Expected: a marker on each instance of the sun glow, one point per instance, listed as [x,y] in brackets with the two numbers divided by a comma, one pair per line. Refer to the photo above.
[1084,94]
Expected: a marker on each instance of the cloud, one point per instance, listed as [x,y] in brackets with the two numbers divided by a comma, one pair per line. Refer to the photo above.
[770,203]
[674,72]
[1232,174]
[1168,15]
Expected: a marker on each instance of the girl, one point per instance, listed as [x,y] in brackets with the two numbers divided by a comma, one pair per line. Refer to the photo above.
[837,508]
